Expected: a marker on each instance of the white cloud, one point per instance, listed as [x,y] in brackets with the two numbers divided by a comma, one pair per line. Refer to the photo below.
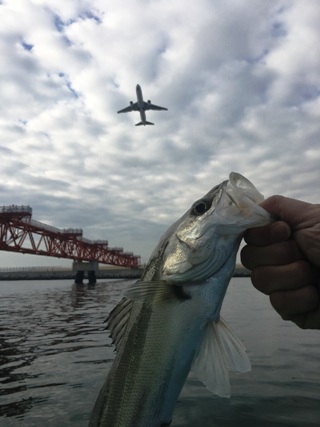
[240,79]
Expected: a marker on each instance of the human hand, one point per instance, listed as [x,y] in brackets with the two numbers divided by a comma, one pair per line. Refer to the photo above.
[284,257]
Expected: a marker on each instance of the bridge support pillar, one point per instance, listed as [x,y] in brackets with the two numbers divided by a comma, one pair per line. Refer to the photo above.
[92,277]
[79,278]
[89,267]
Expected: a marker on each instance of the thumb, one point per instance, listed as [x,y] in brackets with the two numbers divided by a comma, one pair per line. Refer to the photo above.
[304,221]
[296,213]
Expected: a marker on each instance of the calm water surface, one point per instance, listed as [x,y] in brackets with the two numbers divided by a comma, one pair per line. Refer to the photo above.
[55,354]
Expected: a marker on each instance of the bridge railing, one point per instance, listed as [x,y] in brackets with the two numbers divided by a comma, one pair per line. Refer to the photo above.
[16,208]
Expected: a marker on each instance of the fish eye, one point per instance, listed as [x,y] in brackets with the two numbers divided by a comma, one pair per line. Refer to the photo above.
[200,207]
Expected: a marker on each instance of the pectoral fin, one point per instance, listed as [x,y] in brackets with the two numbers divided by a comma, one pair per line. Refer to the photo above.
[117,321]
[156,291]
[139,292]
[221,351]
[143,290]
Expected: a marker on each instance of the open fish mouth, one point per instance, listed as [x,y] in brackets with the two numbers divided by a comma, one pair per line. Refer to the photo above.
[231,197]
[240,190]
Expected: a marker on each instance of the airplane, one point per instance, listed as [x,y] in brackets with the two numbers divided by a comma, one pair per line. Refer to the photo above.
[141,106]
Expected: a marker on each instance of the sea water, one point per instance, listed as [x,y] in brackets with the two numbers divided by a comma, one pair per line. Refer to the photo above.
[55,354]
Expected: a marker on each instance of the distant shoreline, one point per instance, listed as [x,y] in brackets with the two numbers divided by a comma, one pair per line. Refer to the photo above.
[64,274]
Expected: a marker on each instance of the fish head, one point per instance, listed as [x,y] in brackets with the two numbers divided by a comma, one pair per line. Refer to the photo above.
[199,244]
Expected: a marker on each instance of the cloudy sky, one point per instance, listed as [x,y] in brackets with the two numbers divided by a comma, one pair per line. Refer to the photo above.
[240,79]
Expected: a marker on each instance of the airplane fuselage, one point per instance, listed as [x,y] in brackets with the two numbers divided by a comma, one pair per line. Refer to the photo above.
[139,97]
[141,106]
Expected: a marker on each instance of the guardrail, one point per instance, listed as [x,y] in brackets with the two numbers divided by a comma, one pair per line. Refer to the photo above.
[16,208]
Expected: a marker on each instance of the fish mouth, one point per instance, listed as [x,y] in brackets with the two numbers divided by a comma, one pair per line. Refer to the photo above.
[241,191]
[231,196]
[242,201]
[237,196]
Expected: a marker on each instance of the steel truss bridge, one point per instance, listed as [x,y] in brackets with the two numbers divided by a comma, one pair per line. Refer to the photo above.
[20,233]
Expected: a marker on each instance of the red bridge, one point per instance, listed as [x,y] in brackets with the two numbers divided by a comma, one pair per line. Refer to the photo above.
[20,233]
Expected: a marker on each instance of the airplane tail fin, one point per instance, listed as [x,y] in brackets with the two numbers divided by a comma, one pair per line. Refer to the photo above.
[144,123]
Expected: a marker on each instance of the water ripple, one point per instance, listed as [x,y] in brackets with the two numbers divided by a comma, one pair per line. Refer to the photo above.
[52,340]
[55,354]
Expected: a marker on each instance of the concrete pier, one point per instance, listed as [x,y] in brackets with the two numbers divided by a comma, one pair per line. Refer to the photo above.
[85,267]
[92,277]
[79,278]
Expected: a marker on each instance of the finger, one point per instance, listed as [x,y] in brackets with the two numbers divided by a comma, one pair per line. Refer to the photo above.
[289,210]
[309,241]
[290,304]
[284,277]
[275,232]
[272,255]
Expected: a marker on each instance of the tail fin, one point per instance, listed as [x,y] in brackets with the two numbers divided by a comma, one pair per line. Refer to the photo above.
[144,123]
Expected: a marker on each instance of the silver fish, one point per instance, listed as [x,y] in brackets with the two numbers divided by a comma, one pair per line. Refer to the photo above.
[169,321]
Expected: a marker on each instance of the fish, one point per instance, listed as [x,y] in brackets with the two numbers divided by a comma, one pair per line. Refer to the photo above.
[169,322]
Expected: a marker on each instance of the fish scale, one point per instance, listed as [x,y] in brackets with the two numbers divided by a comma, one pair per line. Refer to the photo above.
[136,362]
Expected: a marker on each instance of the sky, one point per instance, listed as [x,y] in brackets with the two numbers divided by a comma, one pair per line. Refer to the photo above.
[240,80]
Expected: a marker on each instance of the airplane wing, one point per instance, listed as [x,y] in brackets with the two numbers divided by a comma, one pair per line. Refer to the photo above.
[149,106]
[132,107]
